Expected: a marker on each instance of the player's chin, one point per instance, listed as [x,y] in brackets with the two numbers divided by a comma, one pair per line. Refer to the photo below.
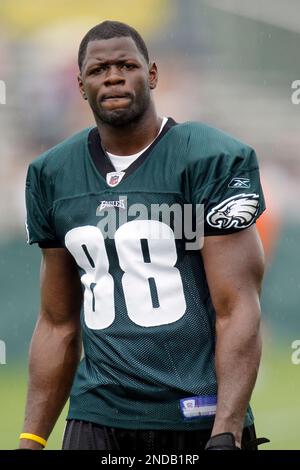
[117,117]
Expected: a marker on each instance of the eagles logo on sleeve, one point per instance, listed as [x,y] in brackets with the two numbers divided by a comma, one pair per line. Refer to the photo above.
[237,211]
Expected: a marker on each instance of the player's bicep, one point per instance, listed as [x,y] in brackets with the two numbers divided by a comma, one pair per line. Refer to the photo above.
[234,266]
[61,293]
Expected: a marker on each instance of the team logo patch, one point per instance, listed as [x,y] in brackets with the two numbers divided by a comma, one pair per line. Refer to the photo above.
[114,178]
[237,211]
[239,183]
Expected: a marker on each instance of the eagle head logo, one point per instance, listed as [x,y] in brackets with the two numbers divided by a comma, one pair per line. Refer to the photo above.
[237,211]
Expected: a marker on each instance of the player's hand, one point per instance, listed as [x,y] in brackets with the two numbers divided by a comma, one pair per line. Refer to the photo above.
[223,441]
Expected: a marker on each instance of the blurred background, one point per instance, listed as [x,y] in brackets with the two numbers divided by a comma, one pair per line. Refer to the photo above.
[228,63]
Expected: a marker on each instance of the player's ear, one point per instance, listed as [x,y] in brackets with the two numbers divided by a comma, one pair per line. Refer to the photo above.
[81,87]
[153,75]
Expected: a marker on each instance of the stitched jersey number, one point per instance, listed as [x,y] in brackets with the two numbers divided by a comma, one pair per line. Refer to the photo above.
[88,248]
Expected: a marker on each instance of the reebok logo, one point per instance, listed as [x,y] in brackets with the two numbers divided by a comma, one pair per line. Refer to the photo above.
[239,183]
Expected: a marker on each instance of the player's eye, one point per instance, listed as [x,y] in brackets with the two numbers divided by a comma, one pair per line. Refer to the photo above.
[99,69]
[128,66]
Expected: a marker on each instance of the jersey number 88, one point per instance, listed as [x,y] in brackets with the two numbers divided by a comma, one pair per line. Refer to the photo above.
[87,246]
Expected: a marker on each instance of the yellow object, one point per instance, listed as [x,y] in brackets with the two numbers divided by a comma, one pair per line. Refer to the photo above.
[24,16]
[33,437]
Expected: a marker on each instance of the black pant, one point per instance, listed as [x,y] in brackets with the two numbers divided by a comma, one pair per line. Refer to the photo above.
[82,435]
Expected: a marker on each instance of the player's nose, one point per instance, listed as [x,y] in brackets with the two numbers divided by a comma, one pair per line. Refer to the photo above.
[114,77]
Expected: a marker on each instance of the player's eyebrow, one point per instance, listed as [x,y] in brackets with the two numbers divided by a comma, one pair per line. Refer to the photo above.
[122,57]
[110,61]
[99,61]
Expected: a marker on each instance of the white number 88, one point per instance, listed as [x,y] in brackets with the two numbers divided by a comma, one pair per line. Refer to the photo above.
[87,246]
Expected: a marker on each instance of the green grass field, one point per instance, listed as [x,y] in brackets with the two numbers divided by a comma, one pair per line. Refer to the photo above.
[275,403]
[276,400]
[13,396]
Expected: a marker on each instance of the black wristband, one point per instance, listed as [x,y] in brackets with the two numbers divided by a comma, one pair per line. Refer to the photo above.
[223,441]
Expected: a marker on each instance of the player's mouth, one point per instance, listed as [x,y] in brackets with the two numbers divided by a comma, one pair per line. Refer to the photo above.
[115,100]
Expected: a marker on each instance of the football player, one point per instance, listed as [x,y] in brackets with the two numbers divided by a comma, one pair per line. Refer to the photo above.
[170,328]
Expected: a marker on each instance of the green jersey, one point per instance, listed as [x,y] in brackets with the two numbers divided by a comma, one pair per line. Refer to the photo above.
[148,323]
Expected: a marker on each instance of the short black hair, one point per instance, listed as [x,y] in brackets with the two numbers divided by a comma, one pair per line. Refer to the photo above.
[109,30]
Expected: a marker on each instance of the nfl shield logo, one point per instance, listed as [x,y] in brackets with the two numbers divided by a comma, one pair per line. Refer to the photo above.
[114,177]
[114,180]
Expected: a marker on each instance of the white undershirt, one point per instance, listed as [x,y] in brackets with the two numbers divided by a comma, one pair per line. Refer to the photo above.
[121,162]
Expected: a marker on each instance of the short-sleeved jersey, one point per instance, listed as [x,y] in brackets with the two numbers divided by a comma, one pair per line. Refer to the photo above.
[148,323]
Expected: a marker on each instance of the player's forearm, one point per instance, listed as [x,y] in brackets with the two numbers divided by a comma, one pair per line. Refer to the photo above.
[54,355]
[238,352]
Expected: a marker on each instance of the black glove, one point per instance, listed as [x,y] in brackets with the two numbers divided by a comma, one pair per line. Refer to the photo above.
[223,441]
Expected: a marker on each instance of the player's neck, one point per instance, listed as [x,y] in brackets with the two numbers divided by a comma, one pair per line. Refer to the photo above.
[127,140]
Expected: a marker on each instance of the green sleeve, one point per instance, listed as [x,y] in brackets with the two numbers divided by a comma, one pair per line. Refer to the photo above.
[228,185]
[39,223]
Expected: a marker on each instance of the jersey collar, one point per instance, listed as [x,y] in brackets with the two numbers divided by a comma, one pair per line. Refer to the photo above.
[102,161]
